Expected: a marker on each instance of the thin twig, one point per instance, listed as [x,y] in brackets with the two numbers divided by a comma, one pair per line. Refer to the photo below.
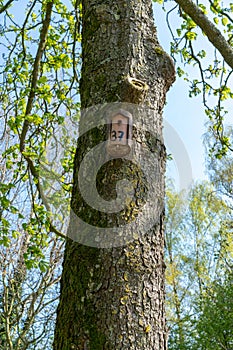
[35,73]
[214,35]
[5,7]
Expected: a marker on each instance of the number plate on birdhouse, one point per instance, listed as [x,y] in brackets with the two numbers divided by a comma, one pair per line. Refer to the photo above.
[119,134]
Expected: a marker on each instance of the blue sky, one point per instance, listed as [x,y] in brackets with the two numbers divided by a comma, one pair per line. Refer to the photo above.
[186,115]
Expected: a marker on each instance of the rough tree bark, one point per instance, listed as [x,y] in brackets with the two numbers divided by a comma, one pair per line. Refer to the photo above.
[113,298]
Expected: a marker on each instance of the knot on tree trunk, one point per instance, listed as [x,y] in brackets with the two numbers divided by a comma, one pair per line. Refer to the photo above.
[167,69]
[134,90]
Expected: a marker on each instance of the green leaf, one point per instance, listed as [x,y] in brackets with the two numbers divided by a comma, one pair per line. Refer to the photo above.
[180,72]
[43,265]
[203,8]
[5,202]
[42,80]
[5,241]
[191,35]
[201,54]
[224,21]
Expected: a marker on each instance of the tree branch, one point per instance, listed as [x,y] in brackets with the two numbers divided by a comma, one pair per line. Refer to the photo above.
[35,175]
[221,11]
[5,7]
[214,35]
[35,73]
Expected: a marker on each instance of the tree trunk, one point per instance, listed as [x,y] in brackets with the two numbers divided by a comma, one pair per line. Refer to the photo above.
[112,287]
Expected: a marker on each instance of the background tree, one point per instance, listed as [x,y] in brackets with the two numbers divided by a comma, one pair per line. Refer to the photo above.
[199,261]
[38,88]
[28,296]
[214,324]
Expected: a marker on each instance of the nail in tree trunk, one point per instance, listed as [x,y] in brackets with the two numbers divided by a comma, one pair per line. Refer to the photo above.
[112,295]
